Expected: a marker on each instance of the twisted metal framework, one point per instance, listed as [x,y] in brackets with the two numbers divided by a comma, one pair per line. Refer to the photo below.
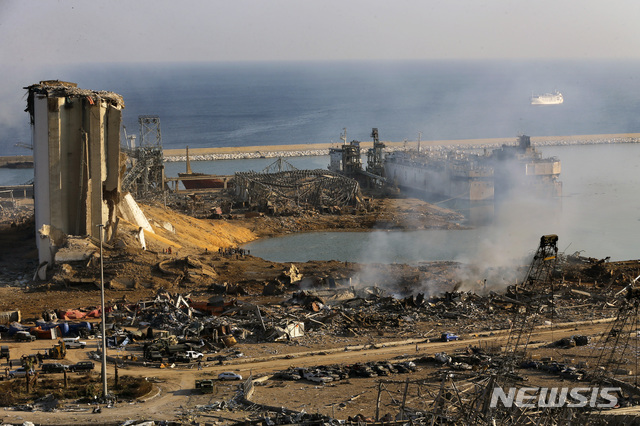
[539,279]
[279,165]
[311,189]
[544,262]
[473,397]
[618,350]
[145,173]
[466,398]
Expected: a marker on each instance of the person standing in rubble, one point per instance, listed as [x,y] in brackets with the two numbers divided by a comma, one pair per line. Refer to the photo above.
[199,365]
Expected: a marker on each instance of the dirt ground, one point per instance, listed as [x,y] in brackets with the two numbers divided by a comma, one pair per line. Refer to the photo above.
[174,397]
[132,273]
[195,263]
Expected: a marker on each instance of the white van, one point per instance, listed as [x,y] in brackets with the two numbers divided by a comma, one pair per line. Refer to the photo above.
[74,342]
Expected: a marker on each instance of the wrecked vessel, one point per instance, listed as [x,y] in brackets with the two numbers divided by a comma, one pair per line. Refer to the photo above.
[476,177]
[199,180]
[448,174]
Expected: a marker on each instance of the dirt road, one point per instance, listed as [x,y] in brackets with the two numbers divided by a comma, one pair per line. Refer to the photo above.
[174,396]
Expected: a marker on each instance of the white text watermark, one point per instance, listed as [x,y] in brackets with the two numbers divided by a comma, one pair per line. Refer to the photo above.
[531,397]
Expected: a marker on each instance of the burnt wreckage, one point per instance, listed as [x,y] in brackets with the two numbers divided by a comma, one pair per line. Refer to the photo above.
[292,189]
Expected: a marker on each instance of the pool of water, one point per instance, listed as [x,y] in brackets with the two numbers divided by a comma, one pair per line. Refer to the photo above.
[598,215]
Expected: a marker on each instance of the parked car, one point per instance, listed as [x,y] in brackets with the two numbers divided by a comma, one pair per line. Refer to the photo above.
[180,357]
[154,356]
[448,337]
[229,375]
[24,336]
[194,355]
[288,375]
[410,365]
[21,372]
[318,376]
[74,342]
[82,366]
[205,385]
[380,370]
[55,367]
[362,370]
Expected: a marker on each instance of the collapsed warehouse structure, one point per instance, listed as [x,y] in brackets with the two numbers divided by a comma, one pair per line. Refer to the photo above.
[289,190]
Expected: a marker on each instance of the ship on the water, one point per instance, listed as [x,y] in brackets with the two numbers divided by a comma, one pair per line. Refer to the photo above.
[554,98]
[443,173]
[192,180]
[476,177]
[522,170]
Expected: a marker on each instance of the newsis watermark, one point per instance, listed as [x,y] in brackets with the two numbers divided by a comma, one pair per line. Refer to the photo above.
[594,397]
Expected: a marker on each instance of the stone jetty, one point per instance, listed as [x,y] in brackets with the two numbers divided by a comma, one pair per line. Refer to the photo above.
[242,153]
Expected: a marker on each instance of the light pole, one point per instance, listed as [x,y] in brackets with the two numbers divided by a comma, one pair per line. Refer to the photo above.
[104,317]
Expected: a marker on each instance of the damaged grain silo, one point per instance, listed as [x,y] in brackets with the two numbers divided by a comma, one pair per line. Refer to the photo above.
[76,152]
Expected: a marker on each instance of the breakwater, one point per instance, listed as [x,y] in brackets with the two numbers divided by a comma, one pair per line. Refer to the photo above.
[204,154]
[275,151]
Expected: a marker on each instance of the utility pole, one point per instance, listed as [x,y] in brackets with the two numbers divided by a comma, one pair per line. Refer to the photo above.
[104,317]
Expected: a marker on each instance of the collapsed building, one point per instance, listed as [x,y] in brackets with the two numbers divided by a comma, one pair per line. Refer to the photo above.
[78,169]
[291,190]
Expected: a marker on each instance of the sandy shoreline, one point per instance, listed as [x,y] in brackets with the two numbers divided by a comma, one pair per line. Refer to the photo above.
[539,140]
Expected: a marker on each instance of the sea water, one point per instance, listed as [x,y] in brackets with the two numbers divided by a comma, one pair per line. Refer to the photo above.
[254,104]
[247,104]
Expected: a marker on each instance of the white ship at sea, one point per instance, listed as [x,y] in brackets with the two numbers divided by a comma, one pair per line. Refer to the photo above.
[554,98]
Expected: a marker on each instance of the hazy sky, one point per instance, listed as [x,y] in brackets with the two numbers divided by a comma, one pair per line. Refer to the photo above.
[37,37]
[37,32]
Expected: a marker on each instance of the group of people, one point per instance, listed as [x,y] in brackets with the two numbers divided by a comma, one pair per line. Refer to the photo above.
[233,252]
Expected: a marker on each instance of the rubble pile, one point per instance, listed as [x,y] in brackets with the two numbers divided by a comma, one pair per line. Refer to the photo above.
[601,274]
[13,213]
[310,316]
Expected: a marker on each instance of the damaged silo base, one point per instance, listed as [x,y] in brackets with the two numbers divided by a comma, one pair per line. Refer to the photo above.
[65,248]
[77,249]
[131,212]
